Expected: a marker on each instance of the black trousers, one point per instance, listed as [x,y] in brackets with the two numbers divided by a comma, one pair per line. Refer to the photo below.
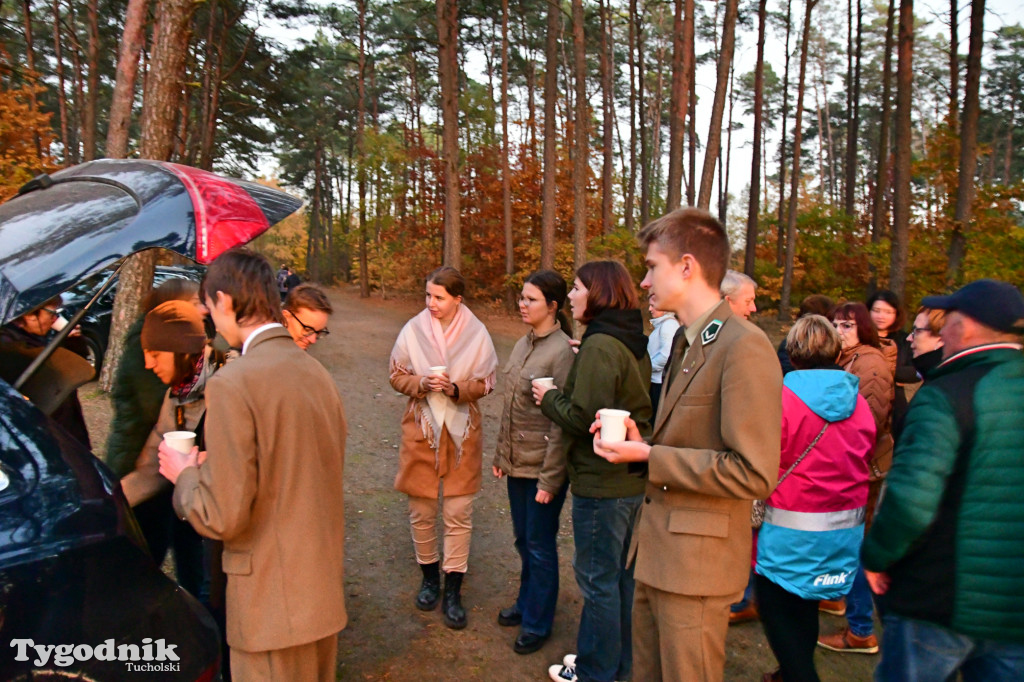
[791,626]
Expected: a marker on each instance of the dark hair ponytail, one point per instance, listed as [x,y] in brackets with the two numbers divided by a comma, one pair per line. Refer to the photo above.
[552,285]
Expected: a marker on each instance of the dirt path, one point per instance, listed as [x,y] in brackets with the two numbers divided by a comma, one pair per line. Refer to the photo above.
[387,638]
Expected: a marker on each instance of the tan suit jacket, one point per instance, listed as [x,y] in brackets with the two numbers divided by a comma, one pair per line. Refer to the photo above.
[271,490]
[715,449]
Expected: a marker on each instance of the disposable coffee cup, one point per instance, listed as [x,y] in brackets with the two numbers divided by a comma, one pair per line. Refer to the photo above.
[182,441]
[59,323]
[613,425]
[438,370]
[544,382]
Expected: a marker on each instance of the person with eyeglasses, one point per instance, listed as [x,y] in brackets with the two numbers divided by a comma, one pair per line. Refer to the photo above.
[21,341]
[306,310]
[862,356]
[925,342]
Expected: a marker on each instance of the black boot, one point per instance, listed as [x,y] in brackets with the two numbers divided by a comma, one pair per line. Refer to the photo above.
[451,609]
[430,590]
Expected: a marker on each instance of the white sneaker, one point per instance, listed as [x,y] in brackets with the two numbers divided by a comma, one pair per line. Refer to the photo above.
[569,661]
[562,673]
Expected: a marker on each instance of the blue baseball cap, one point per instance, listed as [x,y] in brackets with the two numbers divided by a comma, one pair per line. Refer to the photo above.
[995,304]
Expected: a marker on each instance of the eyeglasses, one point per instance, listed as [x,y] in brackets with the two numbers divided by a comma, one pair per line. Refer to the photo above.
[844,326]
[308,331]
[920,330]
[50,310]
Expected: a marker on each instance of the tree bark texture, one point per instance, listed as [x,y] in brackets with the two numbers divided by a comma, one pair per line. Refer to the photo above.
[548,195]
[506,184]
[682,41]
[580,136]
[132,40]
[714,141]
[780,244]
[753,207]
[853,126]
[787,276]
[965,188]
[608,112]
[92,94]
[364,263]
[879,224]
[448,46]
[901,145]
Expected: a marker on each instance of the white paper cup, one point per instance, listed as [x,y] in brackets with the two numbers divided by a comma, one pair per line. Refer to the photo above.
[438,370]
[613,425]
[59,323]
[544,382]
[182,441]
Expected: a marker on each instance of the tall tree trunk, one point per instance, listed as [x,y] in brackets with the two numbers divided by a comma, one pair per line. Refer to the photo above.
[62,100]
[723,187]
[548,196]
[580,151]
[364,265]
[608,112]
[30,62]
[641,113]
[878,212]
[853,123]
[506,181]
[92,95]
[965,189]
[902,144]
[787,276]
[691,125]
[780,245]
[132,40]
[954,64]
[448,41]
[631,174]
[163,90]
[714,141]
[682,41]
[753,207]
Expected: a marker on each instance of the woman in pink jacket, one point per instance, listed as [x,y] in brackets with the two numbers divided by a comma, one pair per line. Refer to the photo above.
[808,547]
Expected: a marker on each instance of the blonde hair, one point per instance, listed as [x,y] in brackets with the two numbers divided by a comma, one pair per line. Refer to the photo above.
[813,342]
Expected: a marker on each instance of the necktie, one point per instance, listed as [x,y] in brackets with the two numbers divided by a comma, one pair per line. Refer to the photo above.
[675,356]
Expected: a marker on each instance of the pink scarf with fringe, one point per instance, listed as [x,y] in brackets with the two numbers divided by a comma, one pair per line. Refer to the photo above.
[465,348]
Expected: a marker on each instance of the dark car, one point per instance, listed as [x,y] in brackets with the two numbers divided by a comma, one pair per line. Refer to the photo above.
[80,597]
[95,324]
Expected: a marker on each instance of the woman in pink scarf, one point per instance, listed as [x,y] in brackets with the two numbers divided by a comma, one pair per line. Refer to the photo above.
[445,362]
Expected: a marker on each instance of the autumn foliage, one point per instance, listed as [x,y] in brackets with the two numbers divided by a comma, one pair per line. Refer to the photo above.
[25,136]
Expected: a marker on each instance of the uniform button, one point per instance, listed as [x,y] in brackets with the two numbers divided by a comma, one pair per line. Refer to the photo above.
[664,487]
[546,438]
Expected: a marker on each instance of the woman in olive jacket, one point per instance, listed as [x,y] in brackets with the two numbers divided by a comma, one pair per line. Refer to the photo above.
[611,370]
[531,454]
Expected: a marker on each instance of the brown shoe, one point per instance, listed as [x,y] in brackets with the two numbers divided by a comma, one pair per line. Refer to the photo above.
[744,616]
[834,607]
[846,642]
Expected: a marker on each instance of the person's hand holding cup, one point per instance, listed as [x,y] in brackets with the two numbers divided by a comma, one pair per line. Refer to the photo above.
[617,438]
[542,385]
[177,451]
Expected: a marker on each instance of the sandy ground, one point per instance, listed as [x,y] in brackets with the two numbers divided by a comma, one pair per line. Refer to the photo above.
[387,638]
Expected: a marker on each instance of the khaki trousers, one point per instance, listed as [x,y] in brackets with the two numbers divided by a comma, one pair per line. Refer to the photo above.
[457,512]
[679,638]
[313,662]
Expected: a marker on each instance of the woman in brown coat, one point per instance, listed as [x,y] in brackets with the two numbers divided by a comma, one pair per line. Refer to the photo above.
[861,356]
[445,362]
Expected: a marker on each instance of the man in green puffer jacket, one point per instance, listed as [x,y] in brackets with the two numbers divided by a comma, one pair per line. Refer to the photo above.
[946,550]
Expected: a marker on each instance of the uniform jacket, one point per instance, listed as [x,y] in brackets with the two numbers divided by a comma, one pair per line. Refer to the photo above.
[606,373]
[949,527]
[271,490]
[529,444]
[714,450]
[814,520]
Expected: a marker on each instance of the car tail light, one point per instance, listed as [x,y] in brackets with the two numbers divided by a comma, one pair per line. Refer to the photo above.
[225,214]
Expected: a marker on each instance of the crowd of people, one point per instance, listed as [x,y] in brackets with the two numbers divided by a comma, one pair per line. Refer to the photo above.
[856,469]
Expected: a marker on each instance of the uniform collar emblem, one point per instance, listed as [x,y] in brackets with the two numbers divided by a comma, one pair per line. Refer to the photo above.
[710,332]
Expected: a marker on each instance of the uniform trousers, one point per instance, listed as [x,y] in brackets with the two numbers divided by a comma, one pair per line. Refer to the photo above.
[313,662]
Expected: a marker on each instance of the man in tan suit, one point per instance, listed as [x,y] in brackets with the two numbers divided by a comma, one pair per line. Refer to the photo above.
[714,449]
[270,483]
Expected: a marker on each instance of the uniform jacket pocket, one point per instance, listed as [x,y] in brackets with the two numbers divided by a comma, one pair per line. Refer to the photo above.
[699,522]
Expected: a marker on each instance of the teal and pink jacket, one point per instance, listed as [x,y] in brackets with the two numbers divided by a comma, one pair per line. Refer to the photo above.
[814,521]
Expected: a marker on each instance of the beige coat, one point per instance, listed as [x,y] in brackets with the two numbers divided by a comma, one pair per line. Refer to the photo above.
[715,449]
[420,469]
[529,444]
[271,490]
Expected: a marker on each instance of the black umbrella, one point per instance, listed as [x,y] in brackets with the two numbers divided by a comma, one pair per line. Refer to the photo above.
[64,227]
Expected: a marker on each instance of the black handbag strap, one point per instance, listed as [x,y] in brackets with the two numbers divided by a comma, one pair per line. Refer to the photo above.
[801,457]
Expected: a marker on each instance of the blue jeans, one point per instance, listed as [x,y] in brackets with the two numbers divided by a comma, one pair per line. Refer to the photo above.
[602,530]
[916,651]
[535,527]
[860,606]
